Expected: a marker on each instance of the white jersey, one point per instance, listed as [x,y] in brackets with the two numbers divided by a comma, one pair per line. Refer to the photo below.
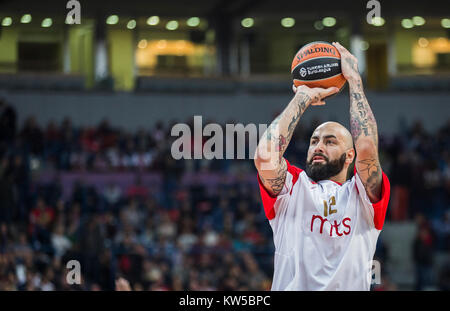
[324,233]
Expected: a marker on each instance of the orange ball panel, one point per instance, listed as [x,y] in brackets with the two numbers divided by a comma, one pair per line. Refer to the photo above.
[337,81]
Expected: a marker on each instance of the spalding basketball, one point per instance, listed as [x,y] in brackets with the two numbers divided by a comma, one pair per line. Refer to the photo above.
[318,64]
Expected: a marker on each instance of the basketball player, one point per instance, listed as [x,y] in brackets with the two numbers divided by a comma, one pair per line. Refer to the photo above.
[325,227]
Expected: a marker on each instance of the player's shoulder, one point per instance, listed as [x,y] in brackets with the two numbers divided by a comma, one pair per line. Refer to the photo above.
[294,170]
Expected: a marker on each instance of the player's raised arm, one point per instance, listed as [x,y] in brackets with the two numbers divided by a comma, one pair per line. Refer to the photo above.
[269,154]
[363,127]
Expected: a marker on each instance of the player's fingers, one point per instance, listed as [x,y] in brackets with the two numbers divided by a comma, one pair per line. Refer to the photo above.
[328,92]
[319,103]
[340,48]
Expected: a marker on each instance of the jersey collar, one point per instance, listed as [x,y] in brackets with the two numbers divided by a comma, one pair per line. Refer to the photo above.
[313,182]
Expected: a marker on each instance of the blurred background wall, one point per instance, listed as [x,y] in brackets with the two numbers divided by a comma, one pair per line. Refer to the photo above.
[393,110]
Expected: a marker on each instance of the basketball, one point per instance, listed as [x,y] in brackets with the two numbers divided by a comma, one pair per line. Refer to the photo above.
[318,64]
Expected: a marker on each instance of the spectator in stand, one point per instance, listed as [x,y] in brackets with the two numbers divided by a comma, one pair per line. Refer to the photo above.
[138,189]
[423,247]
[8,127]
[41,220]
[60,242]
[8,200]
[442,228]
[32,136]
[444,277]
[401,177]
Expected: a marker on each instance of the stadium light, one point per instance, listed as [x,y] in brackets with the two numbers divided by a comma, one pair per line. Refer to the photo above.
[112,20]
[423,42]
[247,22]
[364,45]
[329,21]
[193,22]
[445,22]
[26,19]
[47,22]
[378,21]
[288,22]
[407,23]
[153,20]
[7,21]
[131,24]
[318,25]
[142,44]
[342,32]
[418,20]
[162,44]
[172,25]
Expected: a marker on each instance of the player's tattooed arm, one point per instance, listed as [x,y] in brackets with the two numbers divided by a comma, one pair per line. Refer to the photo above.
[363,127]
[275,140]
[273,143]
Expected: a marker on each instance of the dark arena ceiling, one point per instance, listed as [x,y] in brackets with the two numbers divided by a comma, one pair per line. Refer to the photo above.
[231,8]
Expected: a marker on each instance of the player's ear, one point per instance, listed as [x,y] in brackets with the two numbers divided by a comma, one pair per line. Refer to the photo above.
[350,156]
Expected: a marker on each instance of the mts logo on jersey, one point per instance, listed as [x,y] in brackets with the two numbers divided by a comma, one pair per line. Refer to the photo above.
[335,228]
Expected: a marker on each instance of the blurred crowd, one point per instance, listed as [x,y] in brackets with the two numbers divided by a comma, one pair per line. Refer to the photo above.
[188,238]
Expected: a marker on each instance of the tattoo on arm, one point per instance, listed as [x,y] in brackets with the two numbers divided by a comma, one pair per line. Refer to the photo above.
[371,176]
[352,63]
[362,120]
[276,184]
[303,99]
[301,109]
[272,127]
[280,147]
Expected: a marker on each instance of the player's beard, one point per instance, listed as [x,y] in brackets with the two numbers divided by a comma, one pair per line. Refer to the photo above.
[322,171]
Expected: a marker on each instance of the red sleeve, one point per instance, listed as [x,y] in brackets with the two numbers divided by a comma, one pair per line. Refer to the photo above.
[380,207]
[268,199]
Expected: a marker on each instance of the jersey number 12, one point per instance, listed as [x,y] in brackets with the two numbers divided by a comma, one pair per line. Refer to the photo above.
[327,208]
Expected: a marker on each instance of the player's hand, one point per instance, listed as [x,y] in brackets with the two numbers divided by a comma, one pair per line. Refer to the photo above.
[122,285]
[316,94]
[349,64]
